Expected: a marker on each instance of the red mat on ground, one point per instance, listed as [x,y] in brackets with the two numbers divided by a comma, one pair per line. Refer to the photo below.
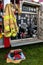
[6,42]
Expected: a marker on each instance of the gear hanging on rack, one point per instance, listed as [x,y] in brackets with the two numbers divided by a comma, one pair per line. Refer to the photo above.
[10,24]
[7,32]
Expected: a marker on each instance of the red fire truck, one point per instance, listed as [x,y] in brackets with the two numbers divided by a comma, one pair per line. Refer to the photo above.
[30,23]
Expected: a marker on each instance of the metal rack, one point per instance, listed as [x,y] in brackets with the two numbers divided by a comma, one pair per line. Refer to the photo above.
[29,12]
[27,41]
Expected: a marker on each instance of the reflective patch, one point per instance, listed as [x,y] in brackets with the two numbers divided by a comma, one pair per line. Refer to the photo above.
[7,28]
[6,17]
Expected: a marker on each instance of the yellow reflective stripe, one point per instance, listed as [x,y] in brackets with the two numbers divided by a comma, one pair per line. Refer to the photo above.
[11,16]
[14,34]
[13,31]
[7,28]
[6,17]
[7,34]
[14,19]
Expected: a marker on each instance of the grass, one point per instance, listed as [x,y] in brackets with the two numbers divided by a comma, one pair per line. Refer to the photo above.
[33,53]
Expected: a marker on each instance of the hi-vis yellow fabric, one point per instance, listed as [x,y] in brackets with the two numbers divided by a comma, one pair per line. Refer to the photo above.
[10,24]
[14,18]
[7,27]
[7,18]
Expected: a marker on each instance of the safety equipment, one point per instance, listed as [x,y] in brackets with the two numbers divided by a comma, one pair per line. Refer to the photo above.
[10,24]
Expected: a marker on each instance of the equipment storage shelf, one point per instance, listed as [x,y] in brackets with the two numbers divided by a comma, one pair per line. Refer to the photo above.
[30,10]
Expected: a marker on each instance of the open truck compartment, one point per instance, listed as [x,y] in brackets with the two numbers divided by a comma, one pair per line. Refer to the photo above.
[30,23]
